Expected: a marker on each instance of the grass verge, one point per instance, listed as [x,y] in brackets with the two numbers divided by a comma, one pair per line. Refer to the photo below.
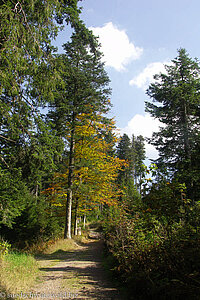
[18,271]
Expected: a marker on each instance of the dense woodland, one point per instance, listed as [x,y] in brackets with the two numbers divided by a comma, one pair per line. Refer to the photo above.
[62,163]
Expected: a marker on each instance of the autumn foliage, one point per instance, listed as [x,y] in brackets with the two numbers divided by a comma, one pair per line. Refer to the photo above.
[95,169]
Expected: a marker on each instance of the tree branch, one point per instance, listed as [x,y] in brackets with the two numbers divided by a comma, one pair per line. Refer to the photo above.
[3,137]
[3,160]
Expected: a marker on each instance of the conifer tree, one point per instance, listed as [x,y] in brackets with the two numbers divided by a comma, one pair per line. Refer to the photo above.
[84,90]
[176,97]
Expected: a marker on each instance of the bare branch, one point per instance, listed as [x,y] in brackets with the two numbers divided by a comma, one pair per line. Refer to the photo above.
[3,160]
[3,137]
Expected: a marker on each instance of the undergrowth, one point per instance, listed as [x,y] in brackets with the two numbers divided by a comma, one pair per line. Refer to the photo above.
[150,263]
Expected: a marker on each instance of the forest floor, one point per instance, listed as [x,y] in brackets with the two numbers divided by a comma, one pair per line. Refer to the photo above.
[76,274]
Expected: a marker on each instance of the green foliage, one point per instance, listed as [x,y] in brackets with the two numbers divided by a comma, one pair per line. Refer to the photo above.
[130,196]
[13,196]
[124,148]
[30,150]
[134,153]
[176,97]
[155,243]
[124,152]
[4,247]
[34,222]
[83,85]
[138,152]
[151,263]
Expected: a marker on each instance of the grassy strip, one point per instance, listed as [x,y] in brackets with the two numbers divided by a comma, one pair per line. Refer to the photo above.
[18,271]
[64,245]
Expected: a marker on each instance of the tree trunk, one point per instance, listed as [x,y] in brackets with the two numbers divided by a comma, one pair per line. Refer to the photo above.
[75,218]
[68,220]
[84,220]
[76,226]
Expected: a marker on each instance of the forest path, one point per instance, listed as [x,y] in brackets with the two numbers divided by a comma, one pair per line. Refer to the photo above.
[77,274]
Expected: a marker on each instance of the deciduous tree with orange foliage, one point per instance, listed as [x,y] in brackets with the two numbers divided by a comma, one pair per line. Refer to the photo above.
[95,170]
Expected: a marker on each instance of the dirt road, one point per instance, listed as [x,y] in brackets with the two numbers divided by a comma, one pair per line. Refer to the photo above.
[75,275]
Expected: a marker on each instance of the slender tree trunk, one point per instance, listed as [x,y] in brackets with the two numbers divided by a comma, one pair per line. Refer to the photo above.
[84,220]
[75,218]
[68,220]
[76,226]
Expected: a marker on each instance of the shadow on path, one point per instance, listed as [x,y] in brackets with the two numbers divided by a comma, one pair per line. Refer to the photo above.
[80,272]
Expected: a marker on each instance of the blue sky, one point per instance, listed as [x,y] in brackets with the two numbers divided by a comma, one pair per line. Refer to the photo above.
[137,38]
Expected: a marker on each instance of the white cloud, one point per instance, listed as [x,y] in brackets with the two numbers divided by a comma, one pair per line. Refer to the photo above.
[145,126]
[146,76]
[117,49]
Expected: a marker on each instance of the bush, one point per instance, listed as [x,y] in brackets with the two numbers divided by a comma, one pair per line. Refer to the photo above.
[153,264]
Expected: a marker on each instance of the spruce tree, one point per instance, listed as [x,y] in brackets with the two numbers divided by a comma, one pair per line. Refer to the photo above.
[176,97]
[84,90]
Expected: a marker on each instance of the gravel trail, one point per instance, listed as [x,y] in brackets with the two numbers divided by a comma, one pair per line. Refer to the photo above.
[75,275]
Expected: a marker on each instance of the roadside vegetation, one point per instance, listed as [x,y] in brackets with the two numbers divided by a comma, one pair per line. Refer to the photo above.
[18,272]
[152,260]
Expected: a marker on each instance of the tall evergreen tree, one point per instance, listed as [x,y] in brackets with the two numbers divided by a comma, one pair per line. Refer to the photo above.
[177,98]
[84,90]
